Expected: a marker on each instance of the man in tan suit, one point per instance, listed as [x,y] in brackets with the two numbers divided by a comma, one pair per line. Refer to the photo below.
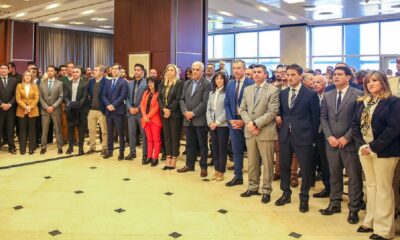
[51,96]
[259,107]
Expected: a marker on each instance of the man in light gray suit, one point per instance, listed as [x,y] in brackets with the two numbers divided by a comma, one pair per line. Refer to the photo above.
[51,96]
[193,105]
[337,109]
[259,107]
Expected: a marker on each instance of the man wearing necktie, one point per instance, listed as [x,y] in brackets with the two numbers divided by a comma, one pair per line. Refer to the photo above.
[259,107]
[113,98]
[337,110]
[299,112]
[8,87]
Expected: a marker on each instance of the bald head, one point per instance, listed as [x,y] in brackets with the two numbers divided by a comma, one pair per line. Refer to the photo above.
[319,83]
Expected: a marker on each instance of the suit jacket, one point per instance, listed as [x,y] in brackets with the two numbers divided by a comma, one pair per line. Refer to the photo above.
[302,120]
[196,103]
[216,114]
[100,96]
[76,110]
[24,100]
[154,113]
[116,97]
[394,85]
[262,112]
[385,127]
[142,87]
[230,100]
[174,96]
[7,95]
[54,99]
[338,123]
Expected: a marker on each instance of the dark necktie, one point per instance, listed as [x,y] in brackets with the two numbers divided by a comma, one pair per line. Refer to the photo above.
[113,85]
[237,97]
[292,98]
[256,94]
[4,82]
[339,101]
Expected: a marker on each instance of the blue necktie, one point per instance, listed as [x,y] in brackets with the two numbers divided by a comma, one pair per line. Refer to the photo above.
[113,85]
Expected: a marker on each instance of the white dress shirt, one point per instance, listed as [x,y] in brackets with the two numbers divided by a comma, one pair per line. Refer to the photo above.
[75,85]
[291,92]
[27,89]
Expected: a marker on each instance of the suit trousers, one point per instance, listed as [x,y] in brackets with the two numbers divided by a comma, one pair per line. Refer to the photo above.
[97,117]
[396,187]
[380,197]
[64,125]
[304,154]
[172,135]
[219,146]
[135,125]
[56,119]
[81,135]
[153,137]
[238,145]
[27,125]
[338,159]
[264,150]
[321,160]
[7,124]
[117,122]
[196,138]
[295,163]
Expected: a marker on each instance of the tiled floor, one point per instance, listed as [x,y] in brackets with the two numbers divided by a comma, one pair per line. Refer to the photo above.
[77,198]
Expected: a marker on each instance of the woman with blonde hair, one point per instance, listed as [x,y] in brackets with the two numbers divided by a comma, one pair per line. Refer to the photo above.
[169,96]
[376,132]
[27,98]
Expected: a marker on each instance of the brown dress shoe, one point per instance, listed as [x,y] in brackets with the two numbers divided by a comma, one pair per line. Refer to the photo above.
[203,172]
[276,177]
[294,182]
[185,169]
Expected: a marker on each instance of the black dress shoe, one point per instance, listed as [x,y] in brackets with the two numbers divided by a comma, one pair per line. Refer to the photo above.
[107,155]
[69,151]
[91,151]
[330,210]
[353,217]
[165,168]
[249,193]
[234,182]
[303,206]
[266,198]
[185,169]
[130,157]
[231,168]
[283,200]
[12,151]
[377,237]
[362,205]
[171,168]
[22,152]
[81,153]
[362,229]
[60,151]
[145,161]
[121,157]
[103,152]
[148,161]
[31,152]
[154,162]
[322,194]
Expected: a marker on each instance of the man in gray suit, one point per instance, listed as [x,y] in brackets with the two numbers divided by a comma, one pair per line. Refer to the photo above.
[259,107]
[337,109]
[51,96]
[193,106]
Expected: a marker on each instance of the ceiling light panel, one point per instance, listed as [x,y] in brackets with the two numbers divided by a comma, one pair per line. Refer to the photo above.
[51,6]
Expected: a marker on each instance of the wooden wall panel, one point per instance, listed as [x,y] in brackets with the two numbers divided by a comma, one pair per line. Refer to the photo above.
[5,40]
[23,44]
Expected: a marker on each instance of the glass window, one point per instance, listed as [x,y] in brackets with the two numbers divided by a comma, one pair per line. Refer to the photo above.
[246,45]
[389,37]
[269,44]
[362,39]
[270,63]
[323,62]
[327,41]
[224,46]
[250,61]
[210,44]
[363,63]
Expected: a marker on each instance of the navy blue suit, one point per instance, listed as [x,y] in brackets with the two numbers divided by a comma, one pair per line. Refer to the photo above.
[236,135]
[297,134]
[115,96]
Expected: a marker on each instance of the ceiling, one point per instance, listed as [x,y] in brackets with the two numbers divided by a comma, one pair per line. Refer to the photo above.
[224,15]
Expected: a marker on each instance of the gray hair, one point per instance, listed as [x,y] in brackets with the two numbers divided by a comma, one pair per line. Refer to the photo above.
[200,64]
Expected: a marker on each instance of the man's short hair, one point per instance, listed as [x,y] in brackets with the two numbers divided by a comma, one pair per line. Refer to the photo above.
[53,67]
[346,70]
[101,67]
[296,67]
[3,64]
[264,68]
[140,66]
[240,61]
[11,64]
[61,66]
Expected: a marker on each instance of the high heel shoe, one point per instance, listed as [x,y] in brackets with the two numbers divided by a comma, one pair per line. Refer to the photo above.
[154,162]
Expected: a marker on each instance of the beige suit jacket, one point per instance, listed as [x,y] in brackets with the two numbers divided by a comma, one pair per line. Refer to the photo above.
[394,85]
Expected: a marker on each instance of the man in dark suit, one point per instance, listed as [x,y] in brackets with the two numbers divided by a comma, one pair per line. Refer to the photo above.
[75,98]
[299,112]
[8,86]
[12,72]
[233,99]
[114,95]
[194,105]
[337,110]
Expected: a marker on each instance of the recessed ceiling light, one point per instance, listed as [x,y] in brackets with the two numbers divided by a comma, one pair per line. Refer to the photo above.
[98,19]
[51,6]
[76,23]
[292,17]
[105,26]
[20,14]
[258,21]
[54,19]
[5,6]
[309,7]
[88,12]
[226,13]
[325,13]
[262,8]
[293,1]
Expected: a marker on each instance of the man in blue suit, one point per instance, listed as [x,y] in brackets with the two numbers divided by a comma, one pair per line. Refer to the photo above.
[113,98]
[136,88]
[233,98]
